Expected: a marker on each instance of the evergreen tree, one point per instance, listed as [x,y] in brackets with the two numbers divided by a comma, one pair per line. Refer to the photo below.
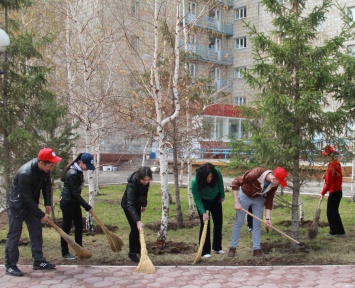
[295,80]
[31,117]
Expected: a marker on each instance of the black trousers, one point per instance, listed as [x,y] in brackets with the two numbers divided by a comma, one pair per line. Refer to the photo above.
[134,243]
[34,227]
[334,220]
[215,208]
[71,214]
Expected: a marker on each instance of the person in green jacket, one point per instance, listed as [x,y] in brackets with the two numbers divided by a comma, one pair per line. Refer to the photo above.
[208,192]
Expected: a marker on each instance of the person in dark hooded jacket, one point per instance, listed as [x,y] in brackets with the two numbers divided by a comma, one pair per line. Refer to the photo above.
[71,199]
[134,202]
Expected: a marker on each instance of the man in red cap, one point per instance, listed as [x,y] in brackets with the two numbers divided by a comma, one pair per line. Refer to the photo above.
[27,184]
[255,189]
[333,178]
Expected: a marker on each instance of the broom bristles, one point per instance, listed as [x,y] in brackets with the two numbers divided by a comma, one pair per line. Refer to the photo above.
[80,251]
[202,242]
[145,265]
[313,228]
[114,241]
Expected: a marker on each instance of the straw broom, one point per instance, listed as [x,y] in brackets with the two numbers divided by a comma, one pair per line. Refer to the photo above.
[80,251]
[114,241]
[145,265]
[313,228]
[202,242]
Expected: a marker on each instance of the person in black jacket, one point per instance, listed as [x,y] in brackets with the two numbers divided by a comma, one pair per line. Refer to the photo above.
[134,201]
[71,200]
[25,190]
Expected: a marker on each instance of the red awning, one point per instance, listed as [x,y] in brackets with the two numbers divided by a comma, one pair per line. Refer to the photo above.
[224,110]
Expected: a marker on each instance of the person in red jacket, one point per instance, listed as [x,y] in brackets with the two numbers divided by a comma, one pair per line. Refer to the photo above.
[333,184]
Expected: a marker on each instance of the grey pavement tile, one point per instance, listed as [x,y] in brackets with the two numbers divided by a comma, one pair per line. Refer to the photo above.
[184,276]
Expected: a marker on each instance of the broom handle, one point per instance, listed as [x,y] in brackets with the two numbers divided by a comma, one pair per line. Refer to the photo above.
[208,214]
[320,201]
[277,230]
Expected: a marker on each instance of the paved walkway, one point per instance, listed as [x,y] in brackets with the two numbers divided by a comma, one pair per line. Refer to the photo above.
[184,277]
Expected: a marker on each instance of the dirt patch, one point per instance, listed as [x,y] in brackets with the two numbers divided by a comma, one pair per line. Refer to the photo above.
[172,225]
[171,247]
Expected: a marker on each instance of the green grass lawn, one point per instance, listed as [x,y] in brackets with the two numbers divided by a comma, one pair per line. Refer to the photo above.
[183,243]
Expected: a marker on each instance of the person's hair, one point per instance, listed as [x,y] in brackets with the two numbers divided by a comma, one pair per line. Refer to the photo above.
[45,162]
[144,171]
[65,170]
[202,173]
[334,155]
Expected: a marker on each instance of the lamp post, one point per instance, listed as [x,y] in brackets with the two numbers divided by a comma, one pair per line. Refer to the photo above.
[4,42]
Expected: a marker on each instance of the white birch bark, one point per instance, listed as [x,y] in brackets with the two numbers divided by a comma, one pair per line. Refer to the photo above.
[156,91]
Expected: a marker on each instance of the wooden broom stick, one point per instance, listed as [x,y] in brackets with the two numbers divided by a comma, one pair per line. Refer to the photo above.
[202,241]
[277,230]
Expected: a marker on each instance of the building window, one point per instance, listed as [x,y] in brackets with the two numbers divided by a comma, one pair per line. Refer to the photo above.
[241,43]
[134,8]
[352,13]
[239,101]
[239,72]
[240,13]
[192,69]
[135,43]
[351,50]
[320,26]
[193,8]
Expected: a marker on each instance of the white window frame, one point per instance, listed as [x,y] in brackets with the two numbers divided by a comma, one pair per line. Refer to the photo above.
[351,49]
[352,12]
[238,72]
[240,43]
[193,8]
[239,101]
[240,13]
[192,69]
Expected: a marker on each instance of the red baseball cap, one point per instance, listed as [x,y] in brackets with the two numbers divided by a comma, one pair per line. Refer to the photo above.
[328,150]
[281,175]
[47,154]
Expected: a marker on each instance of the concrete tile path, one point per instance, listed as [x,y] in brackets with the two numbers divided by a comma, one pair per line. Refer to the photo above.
[66,276]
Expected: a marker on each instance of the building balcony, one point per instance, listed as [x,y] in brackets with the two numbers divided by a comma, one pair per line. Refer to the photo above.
[229,3]
[210,23]
[221,84]
[204,53]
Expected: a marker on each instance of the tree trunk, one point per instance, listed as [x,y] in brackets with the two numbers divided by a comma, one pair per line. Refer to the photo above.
[179,215]
[295,200]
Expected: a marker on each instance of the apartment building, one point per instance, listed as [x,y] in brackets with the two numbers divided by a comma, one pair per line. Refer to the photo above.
[219,47]
[233,16]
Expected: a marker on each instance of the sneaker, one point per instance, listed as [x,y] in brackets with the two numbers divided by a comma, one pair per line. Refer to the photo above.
[206,256]
[250,230]
[133,257]
[330,234]
[219,251]
[68,256]
[258,253]
[231,252]
[43,266]
[13,271]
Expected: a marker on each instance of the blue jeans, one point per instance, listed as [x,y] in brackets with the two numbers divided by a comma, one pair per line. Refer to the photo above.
[257,205]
